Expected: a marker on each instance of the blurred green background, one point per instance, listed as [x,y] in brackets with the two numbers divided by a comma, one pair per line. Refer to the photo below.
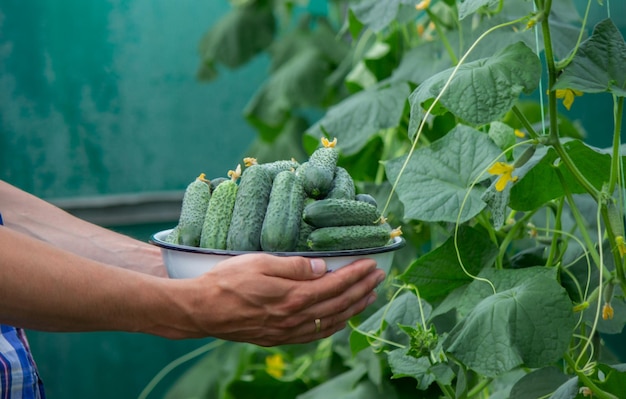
[101,113]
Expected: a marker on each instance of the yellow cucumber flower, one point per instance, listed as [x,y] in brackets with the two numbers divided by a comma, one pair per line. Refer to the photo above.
[607,311]
[275,365]
[505,171]
[568,96]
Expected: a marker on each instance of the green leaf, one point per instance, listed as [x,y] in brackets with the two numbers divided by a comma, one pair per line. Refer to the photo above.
[405,309]
[356,119]
[338,387]
[598,65]
[437,179]
[539,183]
[480,91]
[438,272]
[530,324]
[237,37]
[263,386]
[538,383]
[295,84]
[469,7]
[377,15]
[403,365]
[420,63]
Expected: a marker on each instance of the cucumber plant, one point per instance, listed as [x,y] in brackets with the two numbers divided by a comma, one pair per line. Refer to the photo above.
[460,119]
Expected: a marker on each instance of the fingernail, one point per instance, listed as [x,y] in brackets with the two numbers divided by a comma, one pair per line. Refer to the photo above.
[371,299]
[318,266]
[380,279]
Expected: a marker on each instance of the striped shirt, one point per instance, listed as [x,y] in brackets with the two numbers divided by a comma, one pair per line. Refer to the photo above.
[19,378]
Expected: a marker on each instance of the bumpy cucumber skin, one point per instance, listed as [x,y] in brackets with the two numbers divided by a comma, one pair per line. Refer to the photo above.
[343,185]
[253,195]
[281,225]
[349,237]
[317,181]
[274,168]
[195,203]
[366,198]
[218,216]
[305,228]
[340,212]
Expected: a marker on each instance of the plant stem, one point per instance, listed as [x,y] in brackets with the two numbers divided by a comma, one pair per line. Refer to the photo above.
[555,238]
[597,392]
[522,118]
[433,17]
[479,387]
[615,166]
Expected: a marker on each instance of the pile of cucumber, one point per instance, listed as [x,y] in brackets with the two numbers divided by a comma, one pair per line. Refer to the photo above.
[282,206]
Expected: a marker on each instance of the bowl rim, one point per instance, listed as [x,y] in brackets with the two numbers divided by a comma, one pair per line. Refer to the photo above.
[155,239]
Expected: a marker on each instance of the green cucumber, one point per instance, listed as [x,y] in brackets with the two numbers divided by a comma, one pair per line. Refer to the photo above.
[366,198]
[340,212]
[305,229]
[195,202]
[318,173]
[343,185]
[219,214]
[281,225]
[274,167]
[250,206]
[316,181]
[216,181]
[349,237]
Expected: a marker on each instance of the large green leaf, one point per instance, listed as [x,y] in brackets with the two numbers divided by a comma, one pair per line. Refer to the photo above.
[529,324]
[377,15]
[469,7]
[437,179]
[538,180]
[356,119]
[237,37]
[438,272]
[538,383]
[598,65]
[480,91]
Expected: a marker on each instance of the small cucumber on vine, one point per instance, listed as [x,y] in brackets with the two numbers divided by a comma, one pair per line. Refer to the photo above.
[318,173]
[219,213]
[195,202]
[281,225]
[250,206]
[340,212]
[343,185]
[351,237]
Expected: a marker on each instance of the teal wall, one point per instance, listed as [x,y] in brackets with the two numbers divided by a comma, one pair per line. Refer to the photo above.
[100,97]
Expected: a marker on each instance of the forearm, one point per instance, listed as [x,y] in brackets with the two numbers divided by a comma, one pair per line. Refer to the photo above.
[34,217]
[45,288]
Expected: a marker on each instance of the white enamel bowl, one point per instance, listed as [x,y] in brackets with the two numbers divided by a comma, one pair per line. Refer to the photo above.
[184,261]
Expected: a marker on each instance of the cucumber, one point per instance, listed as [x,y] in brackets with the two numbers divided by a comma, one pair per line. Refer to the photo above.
[281,225]
[343,185]
[366,198]
[340,212]
[318,172]
[274,167]
[195,202]
[216,181]
[316,181]
[250,206]
[305,229]
[349,237]
[219,214]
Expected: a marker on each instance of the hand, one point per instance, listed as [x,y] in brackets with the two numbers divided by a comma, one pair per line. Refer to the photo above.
[270,300]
